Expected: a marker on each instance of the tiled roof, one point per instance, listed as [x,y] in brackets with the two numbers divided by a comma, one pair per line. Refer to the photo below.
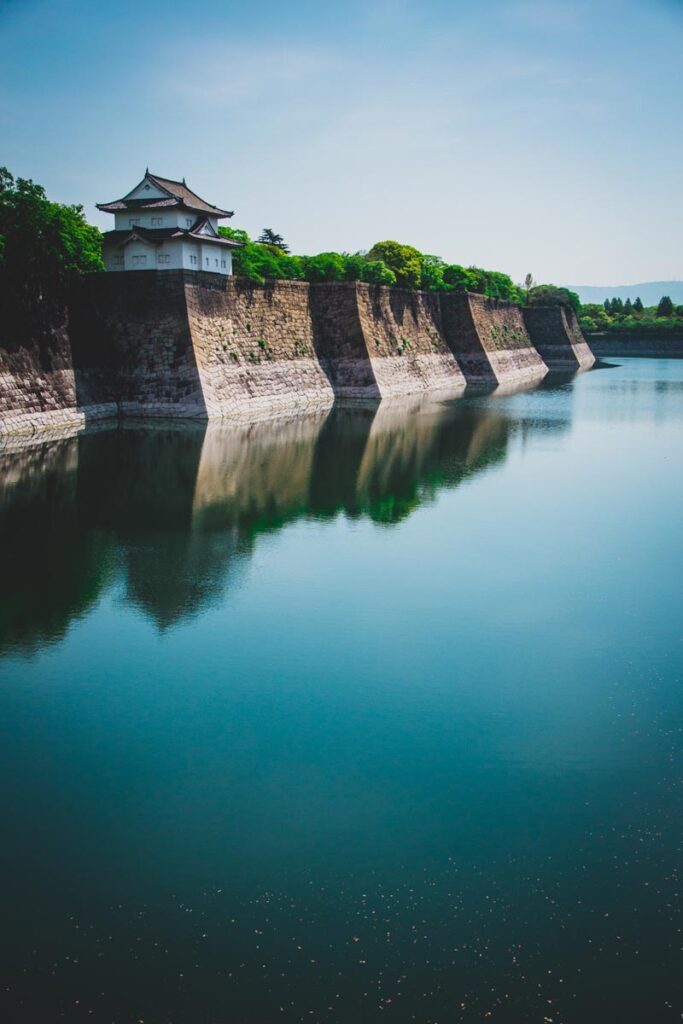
[187,197]
[158,235]
[137,204]
[178,195]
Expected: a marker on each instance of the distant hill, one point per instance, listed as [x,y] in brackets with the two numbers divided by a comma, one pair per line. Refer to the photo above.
[650,292]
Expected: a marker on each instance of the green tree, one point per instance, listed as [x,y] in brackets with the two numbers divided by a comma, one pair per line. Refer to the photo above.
[608,305]
[431,276]
[628,306]
[236,234]
[551,295]
[357,267]
[459,278]
[403,260]
[665,307]
[377,272]
[595,311]
[261,261]
[501,286]
[527,286]
[44,243]
[638,305]
[270,237]
[326,266]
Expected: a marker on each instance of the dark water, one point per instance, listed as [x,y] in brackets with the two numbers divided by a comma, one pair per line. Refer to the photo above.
[361,716]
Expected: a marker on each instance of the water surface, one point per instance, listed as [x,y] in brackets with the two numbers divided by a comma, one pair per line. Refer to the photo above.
[369,714]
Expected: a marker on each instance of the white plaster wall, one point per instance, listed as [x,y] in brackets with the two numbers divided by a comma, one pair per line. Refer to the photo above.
[112,257]
[171,249]
[146,190]
[138,256]
[190,249]
[179,254]
[168,218]
[213,256]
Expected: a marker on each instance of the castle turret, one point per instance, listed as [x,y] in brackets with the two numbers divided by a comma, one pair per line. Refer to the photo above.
[162,224]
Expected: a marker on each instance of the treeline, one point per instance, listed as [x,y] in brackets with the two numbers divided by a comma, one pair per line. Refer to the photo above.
[41,242]
[618,315]
[388,262]
[42,245]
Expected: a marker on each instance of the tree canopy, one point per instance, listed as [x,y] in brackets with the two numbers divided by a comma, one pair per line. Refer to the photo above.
[618,316]
[551,295]
[270,237]
[42,242]
[387,262]
[403,260]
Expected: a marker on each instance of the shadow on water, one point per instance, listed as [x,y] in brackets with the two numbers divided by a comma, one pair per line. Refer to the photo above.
[169,513]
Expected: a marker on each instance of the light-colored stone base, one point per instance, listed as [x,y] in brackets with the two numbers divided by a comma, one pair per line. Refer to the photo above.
[55,419]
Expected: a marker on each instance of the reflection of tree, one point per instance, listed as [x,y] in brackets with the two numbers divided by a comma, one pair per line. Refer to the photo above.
[51,569]
[415,450]
[174,509]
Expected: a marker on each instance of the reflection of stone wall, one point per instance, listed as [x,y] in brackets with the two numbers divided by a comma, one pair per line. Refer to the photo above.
[256,471]
[188,344]
[172,511]
[556,334]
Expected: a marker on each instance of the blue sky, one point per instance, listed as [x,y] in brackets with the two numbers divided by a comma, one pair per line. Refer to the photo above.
[515,134]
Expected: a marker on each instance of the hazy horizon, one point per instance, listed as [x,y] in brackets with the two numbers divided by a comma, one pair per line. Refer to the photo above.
[530,137]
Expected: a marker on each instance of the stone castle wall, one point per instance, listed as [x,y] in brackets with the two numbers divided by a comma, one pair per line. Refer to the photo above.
[405,342]
[555,332]
[191,344]
[254,346]
[135,333]
[663,345]
[40,385]
[490,340]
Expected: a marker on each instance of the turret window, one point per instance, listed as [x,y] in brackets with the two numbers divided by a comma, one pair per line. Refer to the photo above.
[157,222]
[133,221]
[139,261]
[163,257]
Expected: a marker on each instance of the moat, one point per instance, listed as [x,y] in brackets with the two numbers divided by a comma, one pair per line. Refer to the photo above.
[365,714]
